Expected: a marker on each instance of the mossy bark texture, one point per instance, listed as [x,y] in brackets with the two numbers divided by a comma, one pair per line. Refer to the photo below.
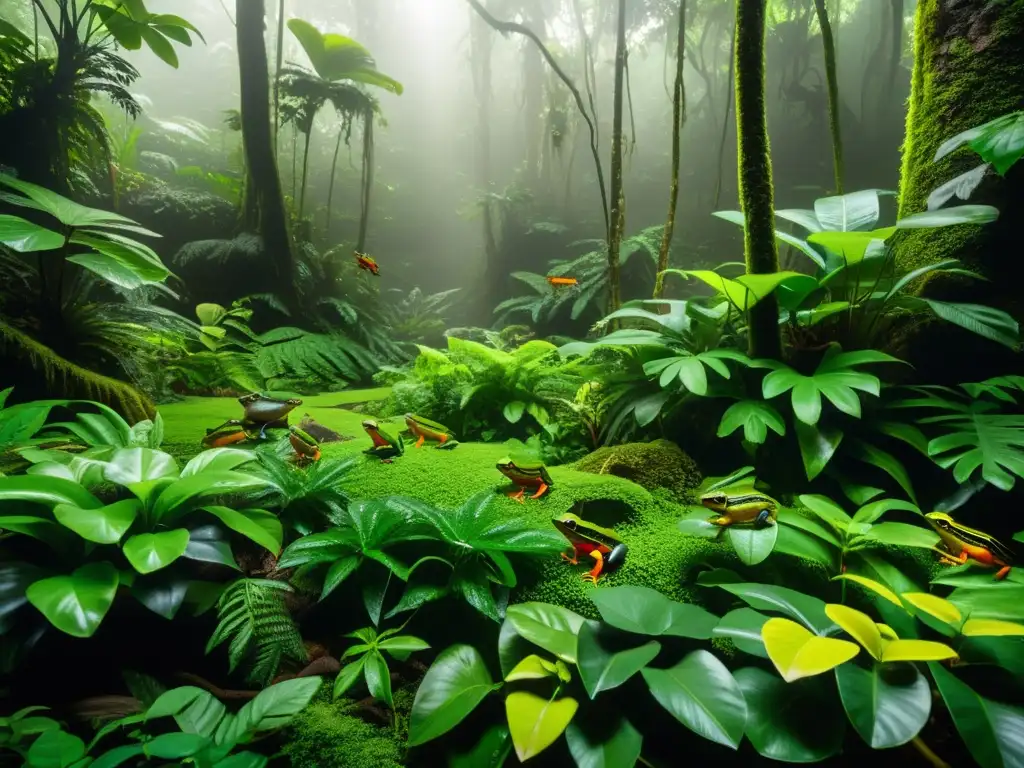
[618,214]
[968,69]
[755,173]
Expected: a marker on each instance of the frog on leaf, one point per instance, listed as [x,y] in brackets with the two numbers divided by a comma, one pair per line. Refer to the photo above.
[961,543]
[742,506]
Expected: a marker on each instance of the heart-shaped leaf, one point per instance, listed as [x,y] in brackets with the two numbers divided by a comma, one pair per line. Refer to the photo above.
[454,685]
[646,611]
[76,604]
[536,723]
[150,552]
[601,669]
[105,525]
[797,653]
[550,627]
[886,707]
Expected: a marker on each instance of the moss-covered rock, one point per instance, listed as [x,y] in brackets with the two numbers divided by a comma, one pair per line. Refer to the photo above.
[327,735]
[658,464]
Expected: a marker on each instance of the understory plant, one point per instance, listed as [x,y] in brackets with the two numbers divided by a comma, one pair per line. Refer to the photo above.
[204,734]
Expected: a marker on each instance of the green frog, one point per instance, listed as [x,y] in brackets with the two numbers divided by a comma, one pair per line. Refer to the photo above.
[306,448]
[425,429]
[588,539]
[385,447]
[738,507]
[267,411]
[526,475]
[228,433]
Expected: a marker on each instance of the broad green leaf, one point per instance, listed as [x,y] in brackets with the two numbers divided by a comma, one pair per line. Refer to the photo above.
[851,246]
[513,411]
[378,678]
[809,611]
[854,211]
[817,446]
[615,747]
[49,491]
[753,545]
[348,676]
[1001,141]
[646,611]
[777,723]
[826,509]
[990,730]
[536,723]
[946,217]
[988,322]
[55,749]
[183,494]
[217,460]
[550,627]
[796,653]
[601,669]
[274,707]
[859,626]
[259,526]
[736,217]
[702,694]
[869,513]
[25,237]
[105,525]
[491,750]
[454,685]
[743,627]
[148,552]
[756,417]
[886,709]
[903,535]
[76,604]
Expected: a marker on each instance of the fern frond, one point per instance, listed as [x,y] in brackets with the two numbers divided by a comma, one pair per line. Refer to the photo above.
[329,359]
[253,615]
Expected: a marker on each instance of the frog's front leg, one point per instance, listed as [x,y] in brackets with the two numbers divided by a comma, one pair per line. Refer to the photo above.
[571,559]
[595,573]
[419,443]
[764,519]
[1002,573]
[722,520]
[540,491]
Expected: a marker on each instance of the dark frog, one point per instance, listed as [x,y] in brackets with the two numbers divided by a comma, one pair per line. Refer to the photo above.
[266,412]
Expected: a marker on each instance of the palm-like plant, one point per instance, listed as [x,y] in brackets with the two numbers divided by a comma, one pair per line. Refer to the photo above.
[340,67]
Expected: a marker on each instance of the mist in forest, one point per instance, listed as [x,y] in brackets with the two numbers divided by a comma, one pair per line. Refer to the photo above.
[538,183]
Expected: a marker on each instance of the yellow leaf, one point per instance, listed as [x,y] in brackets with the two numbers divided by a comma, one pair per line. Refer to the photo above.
[533,667]
[941,609]
[797,653]
[536,723]
[859,626]
[991,628]
[875,586]
[916,650]
[887,632]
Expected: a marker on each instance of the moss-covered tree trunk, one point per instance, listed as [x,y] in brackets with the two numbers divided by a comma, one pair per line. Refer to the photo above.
[829,46]
[755,173]
[262,181]
[968,69]
[618,198]
[678,115]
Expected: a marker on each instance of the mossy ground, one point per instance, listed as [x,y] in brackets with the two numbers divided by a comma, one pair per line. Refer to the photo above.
[659,555]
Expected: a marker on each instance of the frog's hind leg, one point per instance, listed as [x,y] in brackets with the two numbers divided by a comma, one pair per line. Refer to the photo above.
[419,443]
[540,491]
[594,574]
[1003,573]
[571,559]
[518,495]
[764,519]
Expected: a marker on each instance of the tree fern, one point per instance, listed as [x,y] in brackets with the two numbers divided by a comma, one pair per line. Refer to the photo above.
[320,358]
[253,614]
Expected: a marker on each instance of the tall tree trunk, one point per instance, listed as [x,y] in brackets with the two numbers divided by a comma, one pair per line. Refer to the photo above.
[533,119]
[262,180]
[481,48]
[618,199]
[277,69]
[367,187]
[678,118]
[833,93]
[895,51]
[725,123]
[305,169]
[334,171]
[968,69]
[755,174]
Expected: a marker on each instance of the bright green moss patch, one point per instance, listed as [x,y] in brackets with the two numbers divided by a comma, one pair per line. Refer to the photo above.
[327,735]
[658,464]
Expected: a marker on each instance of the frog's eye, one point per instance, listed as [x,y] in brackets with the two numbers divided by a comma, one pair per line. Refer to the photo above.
[717,498]
[570,524]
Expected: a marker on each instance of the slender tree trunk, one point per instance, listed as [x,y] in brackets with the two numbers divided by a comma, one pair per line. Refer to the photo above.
[833,93]
[495,275]
[277,69]
[334,171]
[755,174]
[678,118]
[725,123]
[368,168]
[262,180]
[305,170]
[618,199]
[895,52]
